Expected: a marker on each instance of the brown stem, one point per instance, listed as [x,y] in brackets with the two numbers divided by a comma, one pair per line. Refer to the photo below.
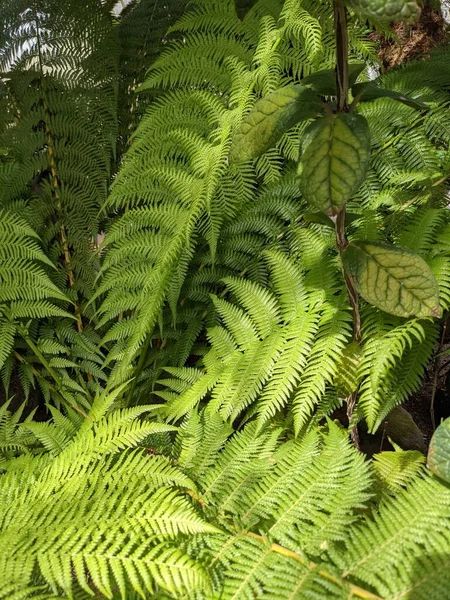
[341,32]
[55,181]
[62,228]
[342,87]
[342,243]
[436,375]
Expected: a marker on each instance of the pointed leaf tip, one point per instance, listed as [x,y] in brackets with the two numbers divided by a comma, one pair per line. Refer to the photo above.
[271,117]
[335,159]
[393,279]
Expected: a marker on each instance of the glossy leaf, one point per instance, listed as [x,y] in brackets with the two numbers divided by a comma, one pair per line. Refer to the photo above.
[271,117]
[394,279]
[439,452]
[370,91]
[324,82]
[334,162]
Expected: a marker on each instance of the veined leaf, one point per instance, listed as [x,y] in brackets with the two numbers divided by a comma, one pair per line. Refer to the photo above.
[394,279]
[335,158]
[324,82]
[370,91]
[271,117]
[439,453]
[387,11]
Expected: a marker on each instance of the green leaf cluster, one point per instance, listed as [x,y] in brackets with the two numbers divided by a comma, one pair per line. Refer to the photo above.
[173,298]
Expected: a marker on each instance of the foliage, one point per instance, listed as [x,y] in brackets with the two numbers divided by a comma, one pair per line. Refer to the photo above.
[257,514]
[439,452]
[276,249]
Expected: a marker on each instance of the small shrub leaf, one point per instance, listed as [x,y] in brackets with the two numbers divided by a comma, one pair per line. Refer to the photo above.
[324,82]
[386,11]
[439,452]
[370,91]
[393,279]
[271,117]
[335,158]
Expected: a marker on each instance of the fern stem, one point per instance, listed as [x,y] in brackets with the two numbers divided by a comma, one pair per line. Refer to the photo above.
[355,591]
[55,181]
[139,369]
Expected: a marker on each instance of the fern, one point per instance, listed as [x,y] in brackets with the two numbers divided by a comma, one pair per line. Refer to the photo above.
[142,31]
[26,291]
[189,178]
[61,76]
[271,351]
[88,493]
[258,515]
[216,304]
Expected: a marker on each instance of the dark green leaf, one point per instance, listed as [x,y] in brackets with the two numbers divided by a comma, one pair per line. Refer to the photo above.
[439,452]
[271,117]
[394,279]
[387,11]
[242,7]
[370,91]
[335,158]
[320,218]
[324,82]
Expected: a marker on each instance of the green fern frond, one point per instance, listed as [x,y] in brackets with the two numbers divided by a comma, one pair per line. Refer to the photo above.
[14,436]
[189,174]
[395,354]
[273,350]
[97,551]
[395,470]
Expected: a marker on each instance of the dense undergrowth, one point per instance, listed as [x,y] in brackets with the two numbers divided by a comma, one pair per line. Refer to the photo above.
[202,326]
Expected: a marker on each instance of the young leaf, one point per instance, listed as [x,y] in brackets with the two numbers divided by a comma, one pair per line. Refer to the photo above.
[394,279]
[335,158]
[439,452]
[369,91]
[271,117]
[324,82]
[386,11]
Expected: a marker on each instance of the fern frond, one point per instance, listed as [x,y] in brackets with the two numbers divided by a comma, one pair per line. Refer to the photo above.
[79,538]
[189,174]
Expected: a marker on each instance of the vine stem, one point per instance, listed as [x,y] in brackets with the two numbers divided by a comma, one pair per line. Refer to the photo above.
[341,32]
[342,86]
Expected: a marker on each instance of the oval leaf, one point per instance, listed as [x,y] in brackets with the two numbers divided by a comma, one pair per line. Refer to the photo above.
[271,117]
[394,279]
[439,452]
[387,11]
[324,82]
[335,158]
[369,91]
